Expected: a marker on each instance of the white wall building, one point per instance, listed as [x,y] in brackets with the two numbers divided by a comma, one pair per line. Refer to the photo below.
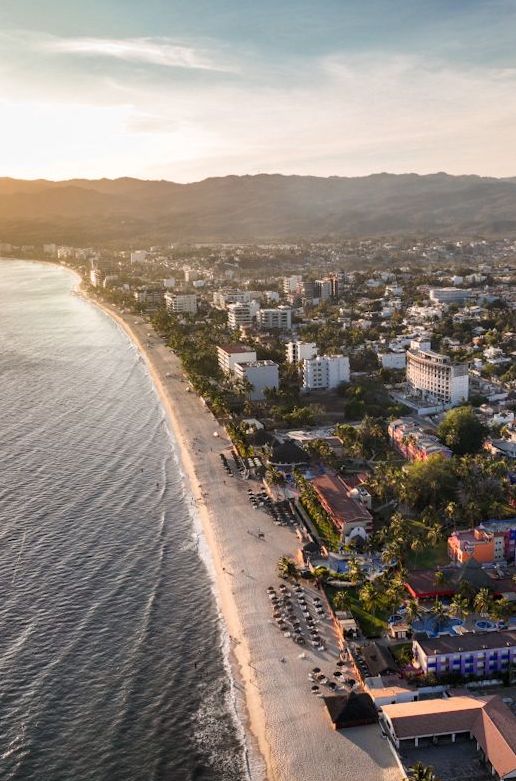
[325,371]
[449,295]
[139,256]
[433,377]
[241,315]
[169,282]
[393,360]
[292,284]
[280,318]
[229,355]
[260,374]
[185,303]
[298,351]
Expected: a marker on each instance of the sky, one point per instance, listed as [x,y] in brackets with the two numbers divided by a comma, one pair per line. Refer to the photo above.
[187,89]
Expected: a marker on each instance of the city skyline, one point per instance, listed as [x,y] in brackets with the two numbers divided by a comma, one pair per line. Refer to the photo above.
[186,91]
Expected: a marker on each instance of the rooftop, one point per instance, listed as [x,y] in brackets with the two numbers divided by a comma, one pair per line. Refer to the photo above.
[333,491]
[232,349]
[470,641]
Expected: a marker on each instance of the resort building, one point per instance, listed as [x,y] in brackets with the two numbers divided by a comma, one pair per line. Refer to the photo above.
[346,513]
[482,655]
[433,377]
[355,709]
[279,318]
[261,375]
[185,303]
[229,355]
[413,443]
[325,372]
[486,720]
[298,351]
[484,546]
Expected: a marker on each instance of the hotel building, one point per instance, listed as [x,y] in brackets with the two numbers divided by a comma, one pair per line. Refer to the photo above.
[260,374]
[298,351]
[229,355]
[434,378]
[325,372]
[470,654]
[186,303]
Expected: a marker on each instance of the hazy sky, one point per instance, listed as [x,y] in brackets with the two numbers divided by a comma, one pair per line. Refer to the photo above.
[184,89]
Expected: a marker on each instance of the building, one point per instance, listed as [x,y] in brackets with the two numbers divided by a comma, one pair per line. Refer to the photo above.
[149,296]
[484,655]
[355,709]
[486,720]
[239,315]
[229,355]
[139,256]
[393,360]
[449,295]
[433,377]
[298,351]
[414,443]
[325,372]
[261,375]
[323,289]
[221,298]
[344,512]
[293,285]
[181,303]
[280,318]
[486,547]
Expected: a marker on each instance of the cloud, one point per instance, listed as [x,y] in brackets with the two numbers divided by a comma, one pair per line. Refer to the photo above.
[152,51]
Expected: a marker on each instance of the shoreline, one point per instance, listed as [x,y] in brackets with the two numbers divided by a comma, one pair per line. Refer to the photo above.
[236,652]
[288,736]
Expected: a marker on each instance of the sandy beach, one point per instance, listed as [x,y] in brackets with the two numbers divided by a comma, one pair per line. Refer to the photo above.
[284,721]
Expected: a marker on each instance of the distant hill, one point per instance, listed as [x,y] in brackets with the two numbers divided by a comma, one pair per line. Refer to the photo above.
[248,208]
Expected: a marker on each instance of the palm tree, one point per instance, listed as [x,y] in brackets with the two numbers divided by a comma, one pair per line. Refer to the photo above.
[459,606]
[439,577]
[341,601]
[420,772]
[287,568]
[413,610]
[434,533]
[501,609]
[417,546]
[483,601]
[367,597]
[355,573]
[439,611]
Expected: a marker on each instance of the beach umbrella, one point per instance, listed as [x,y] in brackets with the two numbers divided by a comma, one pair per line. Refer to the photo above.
[316,670]
[314,689]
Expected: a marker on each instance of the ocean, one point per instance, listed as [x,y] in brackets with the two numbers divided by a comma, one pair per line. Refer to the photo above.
[112,660]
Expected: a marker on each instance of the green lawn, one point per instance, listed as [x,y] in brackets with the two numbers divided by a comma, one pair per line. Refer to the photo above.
[371,624]
[430,558]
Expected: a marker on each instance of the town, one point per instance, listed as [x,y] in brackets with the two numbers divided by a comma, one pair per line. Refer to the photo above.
[369,391]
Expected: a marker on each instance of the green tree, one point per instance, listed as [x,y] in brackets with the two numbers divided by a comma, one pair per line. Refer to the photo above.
[413,610]
[367,597]
[462,431]
[341,601]
[459,606]
[287,568]
[420,772]
[483,602]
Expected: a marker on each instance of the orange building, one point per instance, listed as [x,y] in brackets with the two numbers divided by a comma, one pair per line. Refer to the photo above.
[473,543]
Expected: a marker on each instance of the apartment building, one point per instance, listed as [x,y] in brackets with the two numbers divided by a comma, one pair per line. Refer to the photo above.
[449,295]
[261,375]
[240,315]
[293,284]
[181,303]
[229,355]
[280,318]
[392,360]
[325,372]
[297,351]
[433,377]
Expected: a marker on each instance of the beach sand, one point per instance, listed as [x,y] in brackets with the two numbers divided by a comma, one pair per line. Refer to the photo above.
[283,720]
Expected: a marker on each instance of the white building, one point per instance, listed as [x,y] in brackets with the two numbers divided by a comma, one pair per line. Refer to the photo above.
[260,375]
[280,318]
[298,351]
[241,315]
[323,289]
[186,303]
[393,360]
[229,355]
[449,295]
[433,377]
[169,282]
[293,284]
[139,256]
[325,371]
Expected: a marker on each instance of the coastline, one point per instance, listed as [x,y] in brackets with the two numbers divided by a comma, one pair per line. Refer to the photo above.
[250,712]
[288,734]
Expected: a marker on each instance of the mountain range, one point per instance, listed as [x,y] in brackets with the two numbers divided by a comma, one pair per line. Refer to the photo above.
[249,208]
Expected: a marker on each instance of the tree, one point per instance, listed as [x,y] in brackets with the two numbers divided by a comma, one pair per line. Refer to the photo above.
[439,611]
[439,577]
[462,431]
[413,610]
[367,597]
[341,601]
[459,606]
[287,568]
[501,609]
[429,483]
[420,772]
[483,602]
[355,573]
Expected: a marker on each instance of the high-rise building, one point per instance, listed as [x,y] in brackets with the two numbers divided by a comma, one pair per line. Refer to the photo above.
[298,351]
[280,318]
[185,303]
[435,378]
[260,375]
[325,372]
[240,315]
[228,355]
[292,284]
